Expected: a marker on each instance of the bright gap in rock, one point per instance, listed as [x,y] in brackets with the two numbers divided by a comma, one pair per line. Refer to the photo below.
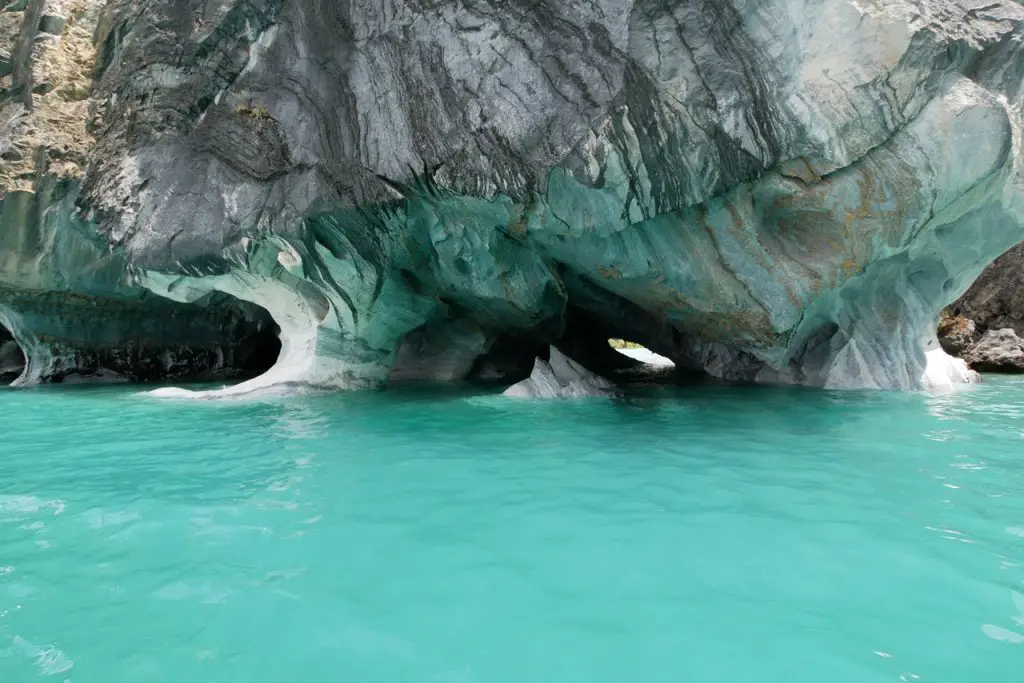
[640,353]
[12,359]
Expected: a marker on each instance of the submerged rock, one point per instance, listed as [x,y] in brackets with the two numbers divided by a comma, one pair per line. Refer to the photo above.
[780,191]
[997,351]
[560,377]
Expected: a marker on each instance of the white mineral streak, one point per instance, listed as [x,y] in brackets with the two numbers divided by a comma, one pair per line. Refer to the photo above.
[298,362]
[36,358]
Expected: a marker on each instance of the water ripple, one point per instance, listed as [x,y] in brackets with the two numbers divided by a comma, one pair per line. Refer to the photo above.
[702,535]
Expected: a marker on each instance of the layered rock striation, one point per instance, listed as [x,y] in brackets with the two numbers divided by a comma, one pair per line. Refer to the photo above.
[780,191]
[66,310]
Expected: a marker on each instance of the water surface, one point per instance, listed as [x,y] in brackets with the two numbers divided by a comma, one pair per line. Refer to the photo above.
[712,534]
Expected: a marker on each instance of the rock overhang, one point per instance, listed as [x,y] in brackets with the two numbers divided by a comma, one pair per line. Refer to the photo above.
[739,186]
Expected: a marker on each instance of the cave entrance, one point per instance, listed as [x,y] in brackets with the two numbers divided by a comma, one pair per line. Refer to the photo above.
[12,358]
[217,337]
[252,338]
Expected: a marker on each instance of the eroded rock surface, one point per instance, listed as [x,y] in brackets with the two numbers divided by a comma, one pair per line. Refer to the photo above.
[997,351]
[560,377]
[996,299]
[984,326]
[785,191]
[957,334]
[64,301]
[64,295]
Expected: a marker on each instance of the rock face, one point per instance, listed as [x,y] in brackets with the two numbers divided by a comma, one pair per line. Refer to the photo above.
[779,191]
[996,300]
[560,377]
[985,325]
[64,303]
[997,351]
[67,308]
[957,334]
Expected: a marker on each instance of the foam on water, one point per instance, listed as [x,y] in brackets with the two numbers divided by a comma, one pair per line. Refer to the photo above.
[710,534]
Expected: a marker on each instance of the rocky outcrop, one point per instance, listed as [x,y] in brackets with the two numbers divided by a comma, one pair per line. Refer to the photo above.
[985,325]
[996,299]
[957,334]
[784,191]
[63,300]
[560,377]
[44,111]
[997,351]
[66,305]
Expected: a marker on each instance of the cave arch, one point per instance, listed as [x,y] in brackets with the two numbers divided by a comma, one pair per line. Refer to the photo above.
[249,339]
[12,357]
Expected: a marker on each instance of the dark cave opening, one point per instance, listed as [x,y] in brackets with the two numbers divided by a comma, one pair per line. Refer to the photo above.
[217,338]
[509,359]
[251,340]
[12,358]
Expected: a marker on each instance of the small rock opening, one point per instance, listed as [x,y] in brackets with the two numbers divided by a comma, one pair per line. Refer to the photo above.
[640,353]
[12,358]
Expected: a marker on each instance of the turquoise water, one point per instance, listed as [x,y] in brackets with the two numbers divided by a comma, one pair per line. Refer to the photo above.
[711,534]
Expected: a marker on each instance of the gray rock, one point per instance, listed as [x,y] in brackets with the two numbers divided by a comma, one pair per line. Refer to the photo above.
[780,191]
[560,377]
[65,302]
[996,299]
[957,334]
[997,351]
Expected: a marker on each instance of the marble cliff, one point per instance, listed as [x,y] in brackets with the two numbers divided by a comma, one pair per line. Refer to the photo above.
[778,190]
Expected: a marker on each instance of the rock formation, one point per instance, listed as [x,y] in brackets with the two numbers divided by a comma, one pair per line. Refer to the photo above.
[780,191]
[996,299]
[65,303]
[997,351]
[986,324]
[560,377]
